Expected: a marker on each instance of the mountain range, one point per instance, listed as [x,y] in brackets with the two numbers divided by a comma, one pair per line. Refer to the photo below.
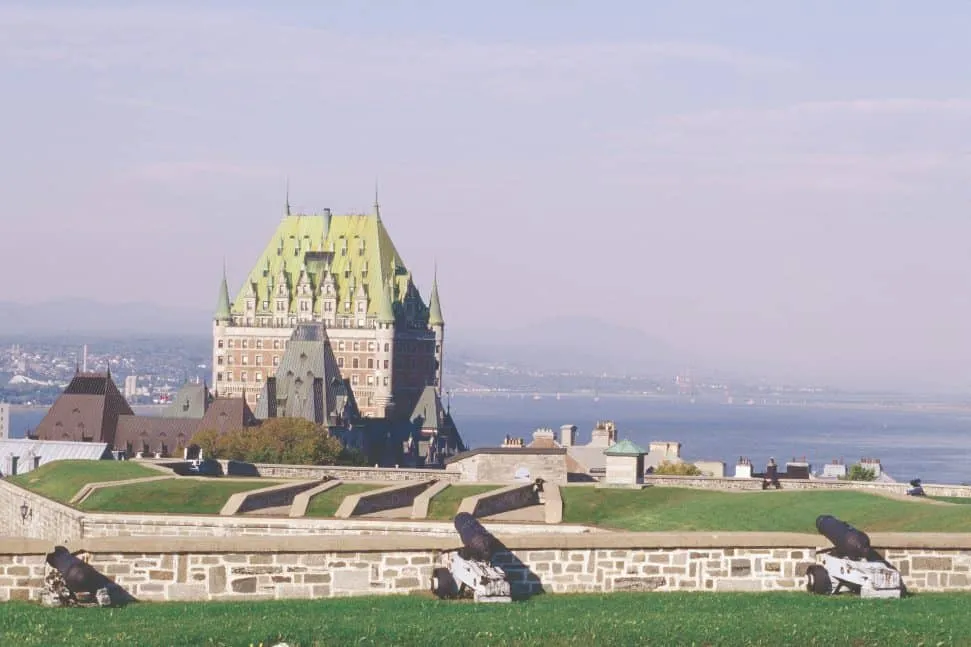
[574,344]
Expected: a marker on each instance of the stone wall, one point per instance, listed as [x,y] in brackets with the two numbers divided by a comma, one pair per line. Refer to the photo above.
[731,483]
[496,466]
[46,519]
[313,567]
[320,472]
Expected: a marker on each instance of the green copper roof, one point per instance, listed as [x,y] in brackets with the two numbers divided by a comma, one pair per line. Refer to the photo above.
[355,250]
[385,309]
[435,307]
[625,448]
[222,305]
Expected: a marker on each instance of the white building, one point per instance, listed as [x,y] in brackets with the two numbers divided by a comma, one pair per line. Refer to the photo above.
[4,420]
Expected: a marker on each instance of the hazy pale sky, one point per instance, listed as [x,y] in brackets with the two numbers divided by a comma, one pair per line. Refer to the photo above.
[775,185]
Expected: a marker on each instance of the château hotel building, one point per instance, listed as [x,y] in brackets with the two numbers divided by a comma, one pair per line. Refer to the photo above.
[342,271]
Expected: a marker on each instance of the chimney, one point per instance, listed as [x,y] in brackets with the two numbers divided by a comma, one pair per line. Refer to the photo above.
[568,435]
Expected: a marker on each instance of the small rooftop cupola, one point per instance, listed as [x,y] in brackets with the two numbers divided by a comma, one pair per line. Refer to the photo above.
[434,305]
[223,313]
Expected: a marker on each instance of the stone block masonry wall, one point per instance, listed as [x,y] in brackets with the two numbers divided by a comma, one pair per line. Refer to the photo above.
[374,474]
[731,483]
[317,567]
[46,519]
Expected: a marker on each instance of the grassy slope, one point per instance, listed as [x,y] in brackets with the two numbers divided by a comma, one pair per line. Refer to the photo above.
[667,619]
[326,503]
[177,496]
[685,509]
[61,480]
[952,499]
[446,503]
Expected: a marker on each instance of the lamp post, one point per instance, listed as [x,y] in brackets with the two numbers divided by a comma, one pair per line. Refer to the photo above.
[26,512]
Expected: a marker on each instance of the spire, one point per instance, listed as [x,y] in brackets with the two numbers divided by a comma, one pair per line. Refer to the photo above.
[434,305]
[377,205]
[286,210]
[385,309]
[222,305]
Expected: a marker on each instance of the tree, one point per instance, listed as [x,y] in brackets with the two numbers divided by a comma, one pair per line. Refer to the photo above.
[288,441]
[859,473]
[667,468]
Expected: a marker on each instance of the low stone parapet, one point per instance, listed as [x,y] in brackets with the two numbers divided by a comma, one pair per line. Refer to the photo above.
[419,509]
[89,489]
[500,501]
[302,501]
[260,567]
[268,497]
[389,498]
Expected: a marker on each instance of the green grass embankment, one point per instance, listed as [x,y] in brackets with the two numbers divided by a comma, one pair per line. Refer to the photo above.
[326,503]
[61,480]
[174,496]
[682,509]
[445,505]
[662,619]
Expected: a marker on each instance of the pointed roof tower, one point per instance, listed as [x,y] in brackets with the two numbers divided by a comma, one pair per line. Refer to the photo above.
[377,206]
[222,305]
[434,305]
[385,310]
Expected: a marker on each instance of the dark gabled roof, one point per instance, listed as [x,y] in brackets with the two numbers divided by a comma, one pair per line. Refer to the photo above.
[155,431]
[191,401]
[428,412]
[228,414]
[88,409]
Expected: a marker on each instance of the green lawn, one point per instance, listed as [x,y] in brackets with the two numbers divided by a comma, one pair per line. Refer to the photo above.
[326,503]
[61,480]
[952,499]
[664,619]
[445,504]
[177,496]
[673,509]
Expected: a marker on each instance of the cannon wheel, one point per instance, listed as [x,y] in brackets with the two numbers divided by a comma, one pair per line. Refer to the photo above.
[443,584]
[817,580]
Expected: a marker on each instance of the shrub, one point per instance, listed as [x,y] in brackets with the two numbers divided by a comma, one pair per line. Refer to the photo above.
[288,441]
[667,468]
[859,473]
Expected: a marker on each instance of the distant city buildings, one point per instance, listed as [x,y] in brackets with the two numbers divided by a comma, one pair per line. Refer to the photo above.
[131,386]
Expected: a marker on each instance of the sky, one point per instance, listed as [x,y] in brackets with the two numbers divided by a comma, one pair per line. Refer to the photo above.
[767,186]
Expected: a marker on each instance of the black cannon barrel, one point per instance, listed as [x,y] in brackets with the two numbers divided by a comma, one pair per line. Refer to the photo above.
[849,542]
[78,576]
[478,541]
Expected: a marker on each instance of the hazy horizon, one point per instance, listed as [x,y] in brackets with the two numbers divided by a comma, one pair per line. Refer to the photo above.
[767,188]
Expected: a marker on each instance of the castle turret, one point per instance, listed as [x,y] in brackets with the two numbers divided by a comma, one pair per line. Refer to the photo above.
[384,386]
[222,318]
[223,313]
[437,323]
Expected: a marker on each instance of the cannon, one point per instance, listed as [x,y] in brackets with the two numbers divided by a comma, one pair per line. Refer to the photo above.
[849,564]
[75,582]
[916,489]
[469,571]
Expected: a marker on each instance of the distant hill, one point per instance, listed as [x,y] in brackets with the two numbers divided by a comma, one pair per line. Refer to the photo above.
[87,316]
[569,344]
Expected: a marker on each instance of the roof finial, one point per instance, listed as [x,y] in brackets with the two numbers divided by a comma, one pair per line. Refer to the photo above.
[377,205]
[287,211]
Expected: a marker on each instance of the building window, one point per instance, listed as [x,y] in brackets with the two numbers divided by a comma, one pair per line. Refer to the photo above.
[245,360]
[281,305]
[304,306]
[245,344]
[357,346]
[370,380]
[438,349]
[259,360]
[354,379]
[385,364]
[266,305]
[229,343]
[329,306]
[259,376]
[386,380]
[340,362]
[219,343]
[230,360]
[276,361]
[219,377]
[340,345]
[219,360]
[360,306]
[259,344]
[242,376]
[387,347]
[229,376]
[276,344]
[370,363]
[355,363]
[370,346]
